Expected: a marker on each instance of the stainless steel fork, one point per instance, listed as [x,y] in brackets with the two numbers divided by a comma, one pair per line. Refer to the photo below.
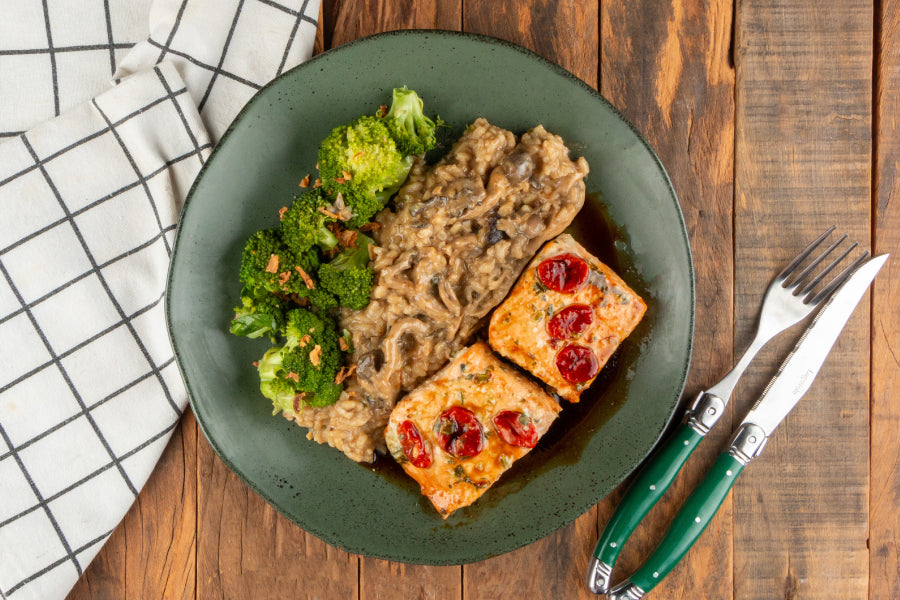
[790,297]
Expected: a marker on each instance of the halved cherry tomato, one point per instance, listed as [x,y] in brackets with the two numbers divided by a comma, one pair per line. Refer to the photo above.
[570,321]
[577,364]
[459,432]
[516,429]
[564,273]
[413,445]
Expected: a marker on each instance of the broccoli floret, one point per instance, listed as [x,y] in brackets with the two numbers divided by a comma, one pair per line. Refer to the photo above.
[312,356]
[269,266]
[261,261]
[413,132]
[291,271]
[273,384]
[322,298]
[361,162]
[348,275]
[260,313]
[306,365]
[352,286]
[304,225]
[364,204]
[305,284]
[298,286]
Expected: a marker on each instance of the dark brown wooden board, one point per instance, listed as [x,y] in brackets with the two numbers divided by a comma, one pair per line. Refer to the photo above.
[803,163]
[884,499]
[347,20]
[667,66]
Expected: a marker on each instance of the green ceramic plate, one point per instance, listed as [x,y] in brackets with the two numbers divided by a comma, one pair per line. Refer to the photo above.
[632,219]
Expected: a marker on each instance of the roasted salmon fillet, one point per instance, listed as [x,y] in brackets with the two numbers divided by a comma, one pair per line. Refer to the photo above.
[461,429]
[565,317]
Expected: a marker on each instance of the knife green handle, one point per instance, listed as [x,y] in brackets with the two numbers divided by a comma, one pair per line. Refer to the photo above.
[689,523]
[646,490]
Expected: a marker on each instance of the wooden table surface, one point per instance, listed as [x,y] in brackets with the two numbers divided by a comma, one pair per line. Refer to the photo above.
[774,119]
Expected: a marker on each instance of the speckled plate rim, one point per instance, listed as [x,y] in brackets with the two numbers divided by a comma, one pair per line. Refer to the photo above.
[566,516]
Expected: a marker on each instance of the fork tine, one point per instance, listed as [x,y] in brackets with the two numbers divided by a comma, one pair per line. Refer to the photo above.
[806,252]
[809,286]
[837,281]
[799,278]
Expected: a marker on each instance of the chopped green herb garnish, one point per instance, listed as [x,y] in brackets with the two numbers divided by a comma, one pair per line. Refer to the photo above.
[485,376]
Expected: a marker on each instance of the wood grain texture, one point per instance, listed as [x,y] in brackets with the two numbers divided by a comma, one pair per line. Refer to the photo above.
[245,549]
[667,67]
[384,580]
[551,568]
[347,20]
[884,500]
[803,108]
[151,552]
[565,33]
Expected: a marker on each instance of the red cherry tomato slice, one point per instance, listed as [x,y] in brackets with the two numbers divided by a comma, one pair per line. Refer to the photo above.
[571,321]
[577,364]
[413,445]
[564,273]
[516,429]
[460,433]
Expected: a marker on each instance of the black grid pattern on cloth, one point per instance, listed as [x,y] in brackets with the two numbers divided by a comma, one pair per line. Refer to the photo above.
[60,53]
[170,99]
[203,65]
[169,44]
[52,54]
[55,359]
[63,62]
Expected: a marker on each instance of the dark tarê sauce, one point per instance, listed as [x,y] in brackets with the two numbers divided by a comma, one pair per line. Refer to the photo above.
[567,438]
[593,229]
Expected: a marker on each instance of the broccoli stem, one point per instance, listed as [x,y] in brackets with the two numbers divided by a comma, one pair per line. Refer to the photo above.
[353,257]
[326,239]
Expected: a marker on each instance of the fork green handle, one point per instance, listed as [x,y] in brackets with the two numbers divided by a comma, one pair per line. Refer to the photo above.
[646,490]
[649,486]
[689,523]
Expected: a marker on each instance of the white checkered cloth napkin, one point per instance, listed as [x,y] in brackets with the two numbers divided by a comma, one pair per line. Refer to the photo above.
[89,200]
